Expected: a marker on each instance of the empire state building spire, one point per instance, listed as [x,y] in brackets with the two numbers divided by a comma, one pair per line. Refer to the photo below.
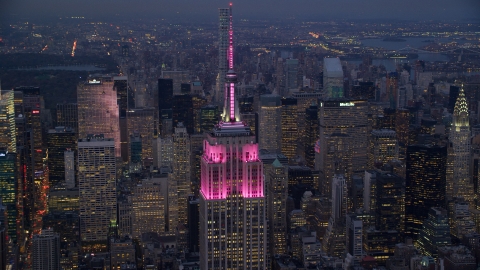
[230,110]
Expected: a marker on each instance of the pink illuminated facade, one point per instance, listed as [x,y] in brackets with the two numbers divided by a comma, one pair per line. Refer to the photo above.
[232,202]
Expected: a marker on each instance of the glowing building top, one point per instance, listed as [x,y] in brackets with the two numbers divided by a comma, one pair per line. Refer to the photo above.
[460,112]
[230,110]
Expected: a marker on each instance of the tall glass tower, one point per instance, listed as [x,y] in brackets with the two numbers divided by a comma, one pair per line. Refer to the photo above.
[232,201]
[224,15]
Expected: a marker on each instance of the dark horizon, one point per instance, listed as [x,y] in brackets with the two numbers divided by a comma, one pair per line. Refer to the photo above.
[187,10]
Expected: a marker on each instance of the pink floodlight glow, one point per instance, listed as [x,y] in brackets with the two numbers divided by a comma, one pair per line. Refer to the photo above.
[232,102]
[215,153]
[250,152]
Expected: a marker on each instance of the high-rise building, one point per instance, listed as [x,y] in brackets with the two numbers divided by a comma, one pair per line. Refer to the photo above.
[332,78]
[97,187]
[182,111]
[347,116]
[46,250]
[148,209]
[70,168]
[135,150]
[389,202]
[291,71]
[277,189]
[339,198]
[8,139]
[98,111]
[270,132]
[383,147]
[311,132]
[67,115]
[120,84]
[435,232]
[208,118]
[354,236]
[289,124]
[141,121]
[460,138]
[8,190]
[179,186]
[59,140]
[232,202]
[425,184]
[224,15]
[165,100]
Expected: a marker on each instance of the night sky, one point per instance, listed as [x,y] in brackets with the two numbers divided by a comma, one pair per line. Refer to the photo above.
[201,9]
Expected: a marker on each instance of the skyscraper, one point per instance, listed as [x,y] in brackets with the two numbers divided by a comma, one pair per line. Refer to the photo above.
[232,201]
[46,250]
[148,204]
[270,130]
[98,111]
[425,184]
[8,190]
[277,183]
[289,124]
[460,138]
[332,78]
[97,187]
[179,186]
[7,121]
[224,15]
[58,141]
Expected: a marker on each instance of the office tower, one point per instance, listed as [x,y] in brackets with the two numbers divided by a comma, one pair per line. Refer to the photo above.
[346,116]
[461,220]
[280,77]
[135,150]
[70,168]
[402,122]
[30,104]
[332,78]
[270,132]
[363,90]
[46,250]
[389,202]
[311,135]
[391,90]
[277,189]
[8,190]
[142,121]
[67,115]
[59,140]
[97,187]
[8,137]
[148,209]
[193,223]
[165,100]
[232,202]
[425,184]
[224,15]
[120,84]
[98,110]
[354,236]
[460,139]
[179,187]
[435,232]
[339,197]
[179,77]
[289,124]
[291,71]
[383,147]
[182,111]
[122,253]
[198,102]
[209,116]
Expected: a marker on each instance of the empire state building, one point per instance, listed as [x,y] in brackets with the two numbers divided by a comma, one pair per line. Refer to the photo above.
[232,201]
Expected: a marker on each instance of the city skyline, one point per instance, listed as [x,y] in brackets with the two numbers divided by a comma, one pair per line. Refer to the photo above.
[268,9]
